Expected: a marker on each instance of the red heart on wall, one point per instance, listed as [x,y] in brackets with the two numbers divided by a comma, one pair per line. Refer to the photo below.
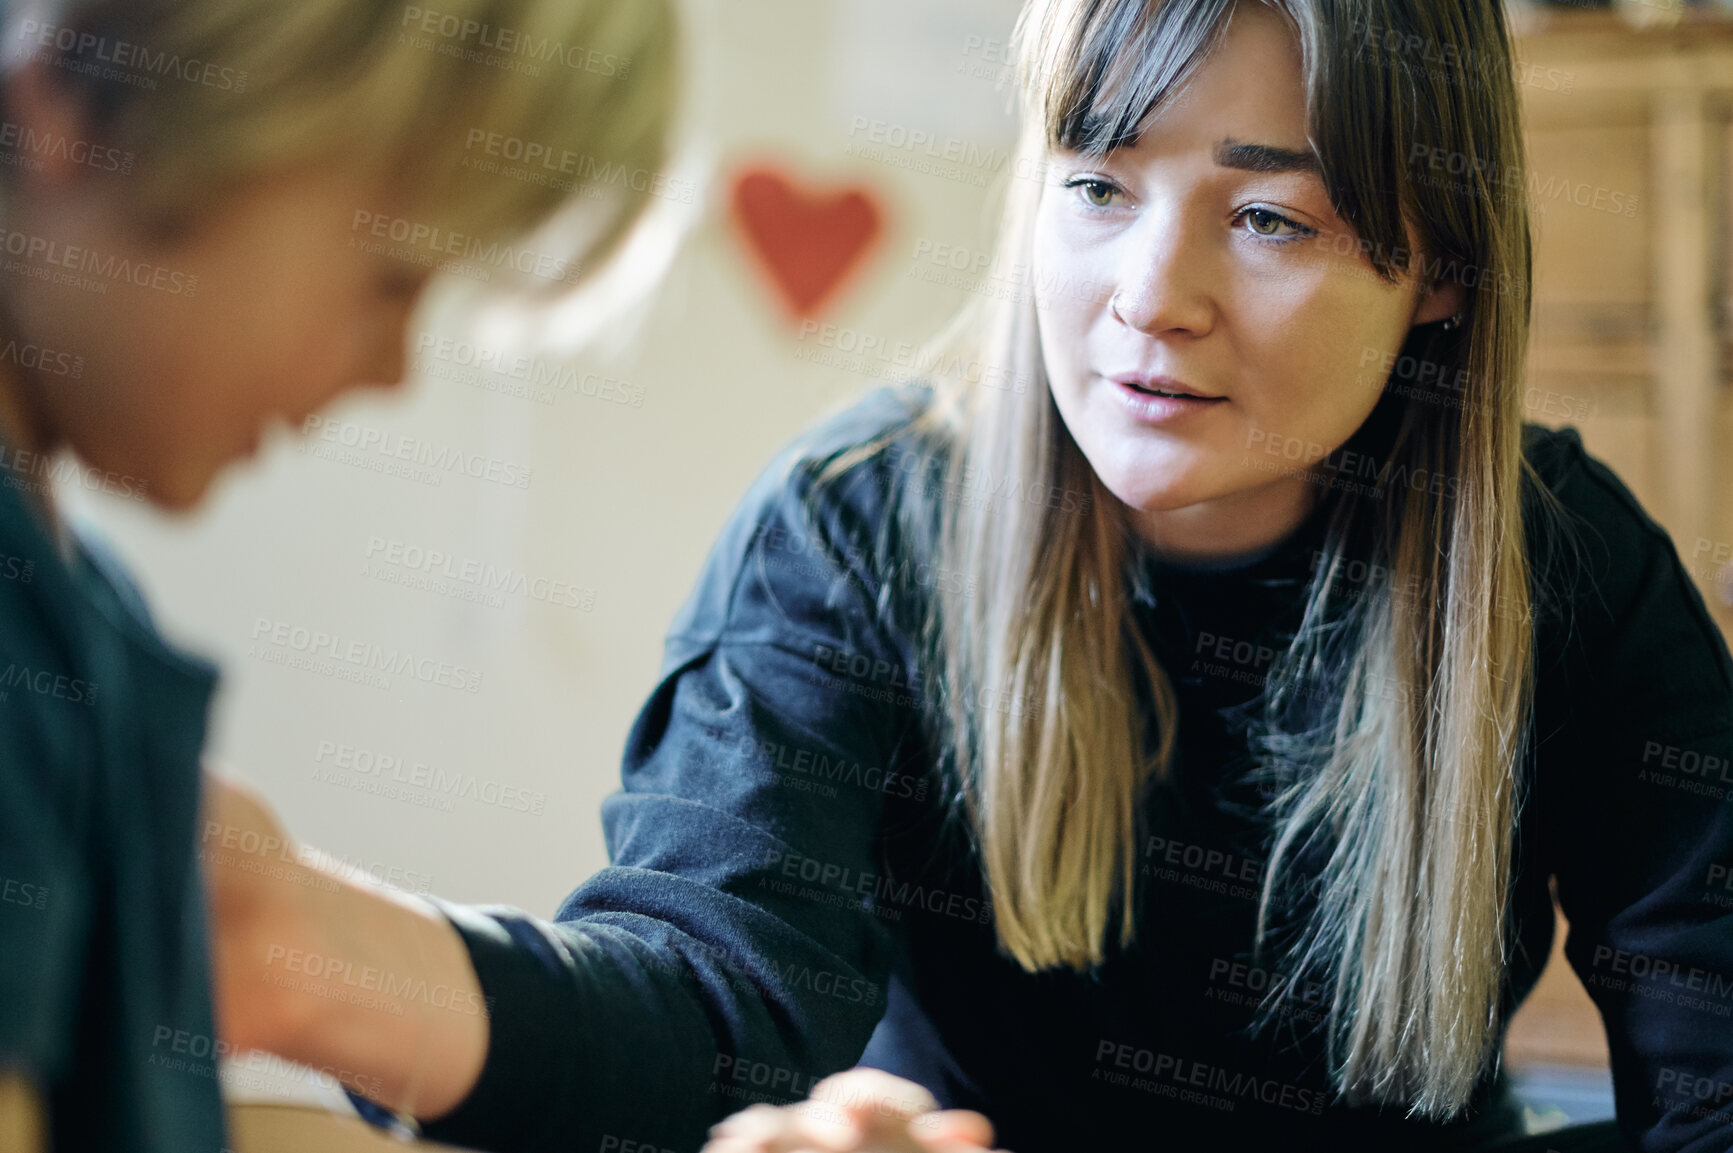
[807,243]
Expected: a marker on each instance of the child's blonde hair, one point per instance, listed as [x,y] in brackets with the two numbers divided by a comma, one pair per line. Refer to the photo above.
[480,116]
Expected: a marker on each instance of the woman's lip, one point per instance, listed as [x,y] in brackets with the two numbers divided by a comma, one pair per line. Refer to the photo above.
[1164,384]
[1147,408]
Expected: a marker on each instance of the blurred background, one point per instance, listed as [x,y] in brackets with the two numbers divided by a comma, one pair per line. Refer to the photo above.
[586,468]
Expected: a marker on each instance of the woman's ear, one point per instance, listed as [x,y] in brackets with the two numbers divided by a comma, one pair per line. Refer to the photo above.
[1442,300]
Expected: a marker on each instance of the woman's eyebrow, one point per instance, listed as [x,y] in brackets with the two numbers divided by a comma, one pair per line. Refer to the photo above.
[1266,158]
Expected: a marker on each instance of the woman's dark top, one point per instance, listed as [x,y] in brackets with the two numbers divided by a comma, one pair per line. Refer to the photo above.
[786,894]
[105,995]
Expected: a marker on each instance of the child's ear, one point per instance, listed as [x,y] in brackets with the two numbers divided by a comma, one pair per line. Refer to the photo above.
[52,126]
[1444,299]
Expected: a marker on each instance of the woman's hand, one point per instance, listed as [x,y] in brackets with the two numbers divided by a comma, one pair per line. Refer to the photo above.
[290,928]
[259,905]
[858,1111]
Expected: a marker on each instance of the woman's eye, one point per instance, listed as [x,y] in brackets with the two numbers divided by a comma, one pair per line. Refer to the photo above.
[1263,222]
[1095,193]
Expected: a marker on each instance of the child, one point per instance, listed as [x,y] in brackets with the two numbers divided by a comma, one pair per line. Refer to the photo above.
[216,215]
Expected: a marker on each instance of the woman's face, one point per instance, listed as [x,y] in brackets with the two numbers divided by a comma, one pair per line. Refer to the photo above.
[1206,259]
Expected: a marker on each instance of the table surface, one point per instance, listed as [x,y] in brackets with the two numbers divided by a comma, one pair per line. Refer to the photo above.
[255,1128]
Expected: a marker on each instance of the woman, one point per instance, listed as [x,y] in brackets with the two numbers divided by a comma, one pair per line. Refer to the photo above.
[1177,749]
[215,215]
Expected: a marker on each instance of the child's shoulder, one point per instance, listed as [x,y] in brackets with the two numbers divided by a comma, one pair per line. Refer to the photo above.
[45,629]
[76,641]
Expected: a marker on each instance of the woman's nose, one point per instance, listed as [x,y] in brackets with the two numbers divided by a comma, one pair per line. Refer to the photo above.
[1163,280]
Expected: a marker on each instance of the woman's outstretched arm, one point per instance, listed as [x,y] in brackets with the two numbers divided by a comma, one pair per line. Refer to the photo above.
[738,947]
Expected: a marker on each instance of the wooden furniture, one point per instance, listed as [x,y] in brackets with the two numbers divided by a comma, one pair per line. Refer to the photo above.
[1629,167]
[1629,171]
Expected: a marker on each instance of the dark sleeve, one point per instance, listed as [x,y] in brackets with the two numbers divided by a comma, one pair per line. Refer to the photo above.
[44,882]
[1647,844]
[731,953]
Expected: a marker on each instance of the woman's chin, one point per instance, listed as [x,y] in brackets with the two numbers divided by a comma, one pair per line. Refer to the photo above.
[1144,498]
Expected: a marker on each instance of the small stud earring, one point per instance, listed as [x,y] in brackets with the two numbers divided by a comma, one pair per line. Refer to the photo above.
[1451,323]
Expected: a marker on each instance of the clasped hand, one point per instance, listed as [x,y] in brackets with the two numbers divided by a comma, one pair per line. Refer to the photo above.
[858,1111]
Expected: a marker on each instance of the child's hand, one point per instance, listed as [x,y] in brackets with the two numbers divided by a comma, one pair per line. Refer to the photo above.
[858,1111]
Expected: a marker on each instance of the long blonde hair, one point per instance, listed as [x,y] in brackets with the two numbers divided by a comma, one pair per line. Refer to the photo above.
[1403,786]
